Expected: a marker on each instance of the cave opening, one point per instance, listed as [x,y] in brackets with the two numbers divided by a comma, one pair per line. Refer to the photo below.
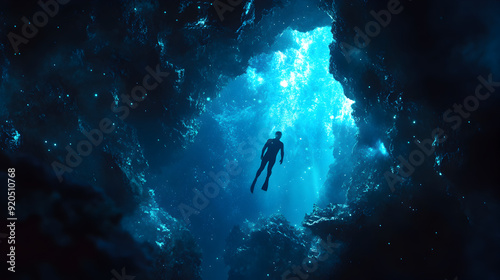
[288,88]
[291,90]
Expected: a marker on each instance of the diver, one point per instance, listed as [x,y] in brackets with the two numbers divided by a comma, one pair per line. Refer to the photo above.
[272,146]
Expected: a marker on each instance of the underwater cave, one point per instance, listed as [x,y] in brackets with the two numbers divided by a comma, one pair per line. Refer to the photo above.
[131,132]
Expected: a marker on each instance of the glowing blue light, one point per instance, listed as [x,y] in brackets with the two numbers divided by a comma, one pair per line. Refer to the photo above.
[16,136]
[291,90]
[202,22]
[438,161]
[382,148]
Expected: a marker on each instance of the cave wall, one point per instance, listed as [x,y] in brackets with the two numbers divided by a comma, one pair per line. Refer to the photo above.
[409,77]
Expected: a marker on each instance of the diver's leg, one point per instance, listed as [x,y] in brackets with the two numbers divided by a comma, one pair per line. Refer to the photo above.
[261,168]
[262,165]
[269,172]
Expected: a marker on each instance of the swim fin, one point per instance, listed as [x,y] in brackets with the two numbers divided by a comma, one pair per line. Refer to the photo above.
[253,185]
[266,183]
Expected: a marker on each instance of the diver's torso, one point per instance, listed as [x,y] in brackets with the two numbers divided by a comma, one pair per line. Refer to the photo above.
[273,146]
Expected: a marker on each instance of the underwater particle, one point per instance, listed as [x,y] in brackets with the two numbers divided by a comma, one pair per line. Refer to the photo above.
[284,83]
[208,98]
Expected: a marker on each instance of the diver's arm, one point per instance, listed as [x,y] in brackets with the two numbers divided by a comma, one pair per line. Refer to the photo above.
[264,149]
[282,153]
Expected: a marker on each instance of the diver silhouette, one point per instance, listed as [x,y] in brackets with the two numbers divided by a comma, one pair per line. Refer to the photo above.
[272,146]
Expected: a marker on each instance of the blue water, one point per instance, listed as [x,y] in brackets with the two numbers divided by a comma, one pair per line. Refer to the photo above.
[289,89]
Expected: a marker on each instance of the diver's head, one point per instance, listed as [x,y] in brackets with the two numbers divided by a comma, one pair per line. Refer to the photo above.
[278,135]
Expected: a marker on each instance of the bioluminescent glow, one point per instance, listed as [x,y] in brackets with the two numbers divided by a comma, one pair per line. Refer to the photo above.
[382,148]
